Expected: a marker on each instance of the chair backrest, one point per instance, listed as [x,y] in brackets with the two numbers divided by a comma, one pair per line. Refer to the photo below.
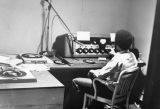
[124,85]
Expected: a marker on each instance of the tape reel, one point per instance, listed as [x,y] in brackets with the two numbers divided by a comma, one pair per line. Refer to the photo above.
[31,55]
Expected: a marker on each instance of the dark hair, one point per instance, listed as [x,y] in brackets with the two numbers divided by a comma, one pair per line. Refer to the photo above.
[123,39]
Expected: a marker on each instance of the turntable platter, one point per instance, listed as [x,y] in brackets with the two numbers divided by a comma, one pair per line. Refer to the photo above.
[12,73]
[9,74]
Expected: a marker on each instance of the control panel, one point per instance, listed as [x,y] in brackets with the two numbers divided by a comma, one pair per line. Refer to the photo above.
[97,46]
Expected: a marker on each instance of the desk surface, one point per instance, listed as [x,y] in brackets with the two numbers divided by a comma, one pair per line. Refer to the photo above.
[44,80]
[79,63]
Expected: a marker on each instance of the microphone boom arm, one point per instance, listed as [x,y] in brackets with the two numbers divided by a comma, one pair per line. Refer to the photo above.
[72,36]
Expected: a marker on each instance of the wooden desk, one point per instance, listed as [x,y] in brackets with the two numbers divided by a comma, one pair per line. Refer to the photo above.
[79,63]
[46,93]
[65,74]
[78,68]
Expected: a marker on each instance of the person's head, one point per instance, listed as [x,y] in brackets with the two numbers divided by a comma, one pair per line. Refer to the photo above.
[123,40]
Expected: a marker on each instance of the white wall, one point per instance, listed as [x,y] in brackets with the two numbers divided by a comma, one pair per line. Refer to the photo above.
[20,25]
[140,23]
[21,20]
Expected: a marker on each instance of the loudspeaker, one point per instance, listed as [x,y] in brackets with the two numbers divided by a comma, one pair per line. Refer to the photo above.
[63,46]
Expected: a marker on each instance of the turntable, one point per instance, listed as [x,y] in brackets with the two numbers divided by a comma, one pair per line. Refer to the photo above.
[9,74]
[31,58]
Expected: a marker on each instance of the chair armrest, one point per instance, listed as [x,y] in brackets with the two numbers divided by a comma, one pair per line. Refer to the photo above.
[141,63]
[104,82]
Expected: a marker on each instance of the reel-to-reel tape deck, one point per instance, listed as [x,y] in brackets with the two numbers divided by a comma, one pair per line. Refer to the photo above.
[9,74]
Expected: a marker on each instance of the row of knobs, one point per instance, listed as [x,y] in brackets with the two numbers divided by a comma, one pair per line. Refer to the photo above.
[91,50]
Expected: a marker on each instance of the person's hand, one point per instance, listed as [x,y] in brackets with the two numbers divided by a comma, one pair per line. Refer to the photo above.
[91,74]
[93,71]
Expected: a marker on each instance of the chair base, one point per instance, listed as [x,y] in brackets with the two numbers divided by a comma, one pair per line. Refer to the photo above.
[88,98]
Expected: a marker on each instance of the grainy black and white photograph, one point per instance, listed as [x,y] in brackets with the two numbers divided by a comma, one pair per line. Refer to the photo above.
[79,54]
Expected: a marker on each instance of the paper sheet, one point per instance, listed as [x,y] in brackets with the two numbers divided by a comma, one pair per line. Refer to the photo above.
[4,59]
[83,36]
[34,67]
[112,36]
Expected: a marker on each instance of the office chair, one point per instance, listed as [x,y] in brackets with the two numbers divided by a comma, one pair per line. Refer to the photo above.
[121,92]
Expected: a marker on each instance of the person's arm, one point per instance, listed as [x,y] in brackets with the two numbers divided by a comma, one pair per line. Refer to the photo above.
[106,69]
[114,70]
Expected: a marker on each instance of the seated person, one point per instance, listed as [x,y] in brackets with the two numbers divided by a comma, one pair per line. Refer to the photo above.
[122,60]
